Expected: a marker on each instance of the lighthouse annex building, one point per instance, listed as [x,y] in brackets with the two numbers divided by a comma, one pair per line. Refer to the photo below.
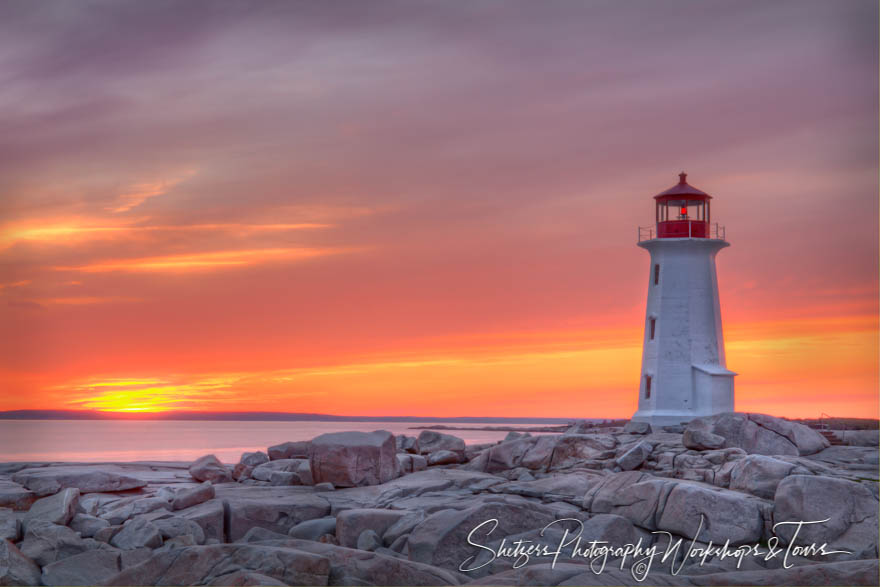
[684,372]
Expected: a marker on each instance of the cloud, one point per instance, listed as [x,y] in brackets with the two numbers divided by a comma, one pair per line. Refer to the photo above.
[20,283]
[79,230]
[140,193]
[84,300]
[208,261]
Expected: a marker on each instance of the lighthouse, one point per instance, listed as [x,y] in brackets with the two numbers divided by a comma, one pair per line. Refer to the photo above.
[684,372]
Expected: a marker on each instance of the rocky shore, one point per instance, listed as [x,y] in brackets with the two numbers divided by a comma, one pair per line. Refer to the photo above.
[356,508]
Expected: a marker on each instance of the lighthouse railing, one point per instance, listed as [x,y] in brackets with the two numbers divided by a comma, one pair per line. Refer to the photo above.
[711,231]
[718,231]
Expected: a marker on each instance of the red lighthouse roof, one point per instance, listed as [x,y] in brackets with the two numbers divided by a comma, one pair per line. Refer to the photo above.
[682,188]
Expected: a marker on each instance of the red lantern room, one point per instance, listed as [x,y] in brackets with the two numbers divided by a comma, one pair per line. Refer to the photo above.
[683,211]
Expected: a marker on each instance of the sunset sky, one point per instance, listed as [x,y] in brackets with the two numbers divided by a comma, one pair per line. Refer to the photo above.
[427,208]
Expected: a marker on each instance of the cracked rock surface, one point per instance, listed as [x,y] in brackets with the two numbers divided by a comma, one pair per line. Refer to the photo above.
[369,508]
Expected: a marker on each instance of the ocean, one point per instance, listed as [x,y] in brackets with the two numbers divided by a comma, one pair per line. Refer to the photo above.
[183,440]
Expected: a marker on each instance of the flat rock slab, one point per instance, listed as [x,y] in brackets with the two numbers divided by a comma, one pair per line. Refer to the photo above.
[203,565]
[274,508]
[390,494]
[863,572]
[349,566]
[86,478]
[16,497]
[87,568]
[561,486]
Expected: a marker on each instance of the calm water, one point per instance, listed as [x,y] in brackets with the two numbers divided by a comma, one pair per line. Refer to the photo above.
[109,440]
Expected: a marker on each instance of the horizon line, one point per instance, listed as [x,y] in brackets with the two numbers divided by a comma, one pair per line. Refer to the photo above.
[43,414]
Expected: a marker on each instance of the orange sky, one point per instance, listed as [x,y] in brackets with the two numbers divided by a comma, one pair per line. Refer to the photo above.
[383,213]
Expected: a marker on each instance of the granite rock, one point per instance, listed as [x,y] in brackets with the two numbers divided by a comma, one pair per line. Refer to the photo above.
[353,459]
[15,567]
[209,468]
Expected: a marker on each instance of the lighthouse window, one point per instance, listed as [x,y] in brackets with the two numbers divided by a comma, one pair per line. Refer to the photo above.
[653,325]
[656,274]
[647,386]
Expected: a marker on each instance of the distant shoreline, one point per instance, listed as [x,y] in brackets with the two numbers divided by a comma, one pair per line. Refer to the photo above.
[269,417]
[552,424]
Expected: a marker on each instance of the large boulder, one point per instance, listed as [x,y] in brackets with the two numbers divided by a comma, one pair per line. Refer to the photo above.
[56,509]
[679,507]
[634,457]
[85,478]
[509,454]
[275,509]
[15,567]
[191,496]
[572,450]
[847,511]
[137,533]
[353,459]
[442,538]
[210,516]
[724,515]
[760,434]
[88,568]
[537,457]
[430,441]
[209,468]
[760,475]
[46,543]
[203,565]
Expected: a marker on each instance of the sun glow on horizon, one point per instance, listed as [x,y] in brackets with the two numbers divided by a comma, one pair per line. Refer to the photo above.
[590,375]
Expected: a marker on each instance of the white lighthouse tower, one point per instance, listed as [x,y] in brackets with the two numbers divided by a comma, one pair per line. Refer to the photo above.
[684,372]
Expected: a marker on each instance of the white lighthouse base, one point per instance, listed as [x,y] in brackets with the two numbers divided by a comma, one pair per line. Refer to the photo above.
[712,389]
[665,418]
